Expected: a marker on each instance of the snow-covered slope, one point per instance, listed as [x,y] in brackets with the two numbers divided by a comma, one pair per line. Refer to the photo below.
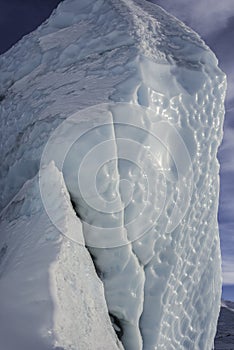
[139,163]
[51,297]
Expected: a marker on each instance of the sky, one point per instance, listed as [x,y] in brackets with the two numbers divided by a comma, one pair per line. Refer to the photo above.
[214,21]
[19,17]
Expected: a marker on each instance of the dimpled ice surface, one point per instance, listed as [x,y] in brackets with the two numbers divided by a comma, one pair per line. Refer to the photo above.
[115,108]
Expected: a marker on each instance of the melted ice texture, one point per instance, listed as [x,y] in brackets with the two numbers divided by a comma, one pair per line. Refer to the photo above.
[162,287]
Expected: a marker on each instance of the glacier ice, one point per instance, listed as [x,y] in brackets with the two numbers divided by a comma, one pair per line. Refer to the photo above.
[45,280]
[125,103]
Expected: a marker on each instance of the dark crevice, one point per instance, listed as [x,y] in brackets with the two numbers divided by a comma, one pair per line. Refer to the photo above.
[98,271]
[116,323]
[2,97]
[3,252]
[130,242]
[74,207]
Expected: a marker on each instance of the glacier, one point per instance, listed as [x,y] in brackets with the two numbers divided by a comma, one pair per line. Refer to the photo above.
[111,117]
[45,280]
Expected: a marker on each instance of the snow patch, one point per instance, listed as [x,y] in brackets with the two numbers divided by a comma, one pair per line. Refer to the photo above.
[45,280]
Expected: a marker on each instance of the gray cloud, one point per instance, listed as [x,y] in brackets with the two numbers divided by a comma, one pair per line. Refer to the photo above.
[228,271]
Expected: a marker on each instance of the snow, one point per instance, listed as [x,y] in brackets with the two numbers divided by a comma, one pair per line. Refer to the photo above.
[45,280]
[118,106]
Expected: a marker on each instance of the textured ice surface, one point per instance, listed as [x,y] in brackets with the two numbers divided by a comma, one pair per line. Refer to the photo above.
[47,283]
[163,111]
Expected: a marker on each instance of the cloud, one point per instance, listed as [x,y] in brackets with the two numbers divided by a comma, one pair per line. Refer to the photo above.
[228,271]
[204,16]
[230,90]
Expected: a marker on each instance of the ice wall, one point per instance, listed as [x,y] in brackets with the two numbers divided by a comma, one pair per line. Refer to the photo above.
[146,146]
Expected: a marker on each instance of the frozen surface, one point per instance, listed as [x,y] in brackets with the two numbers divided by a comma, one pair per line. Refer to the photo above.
[148,151]
[46,282]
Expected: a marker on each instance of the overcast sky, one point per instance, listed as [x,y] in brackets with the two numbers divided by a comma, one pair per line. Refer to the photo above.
[214,21]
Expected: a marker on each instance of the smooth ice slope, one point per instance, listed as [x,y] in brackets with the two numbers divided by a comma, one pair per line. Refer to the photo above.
[163,285]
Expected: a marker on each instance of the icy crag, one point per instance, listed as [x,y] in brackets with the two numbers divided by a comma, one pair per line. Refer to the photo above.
[152,142]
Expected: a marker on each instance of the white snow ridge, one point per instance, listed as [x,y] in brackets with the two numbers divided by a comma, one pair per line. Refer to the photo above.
[111,116]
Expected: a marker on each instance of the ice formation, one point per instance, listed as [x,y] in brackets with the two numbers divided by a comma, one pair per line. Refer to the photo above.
[45,280]
[120,106]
